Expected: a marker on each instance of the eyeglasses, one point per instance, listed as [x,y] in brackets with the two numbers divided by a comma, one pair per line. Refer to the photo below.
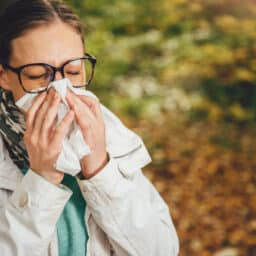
[36,77]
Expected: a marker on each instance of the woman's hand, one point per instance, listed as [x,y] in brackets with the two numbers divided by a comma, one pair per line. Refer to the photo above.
[89,117]
[43,139]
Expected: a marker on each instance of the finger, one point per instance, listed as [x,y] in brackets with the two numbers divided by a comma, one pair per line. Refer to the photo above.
[89,138]
[86,120]
[49,119]
[93,104]
[42,112]
[62,129]
[30,116]
[80,108]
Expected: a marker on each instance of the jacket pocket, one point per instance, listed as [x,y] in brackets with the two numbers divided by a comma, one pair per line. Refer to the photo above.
[131,156]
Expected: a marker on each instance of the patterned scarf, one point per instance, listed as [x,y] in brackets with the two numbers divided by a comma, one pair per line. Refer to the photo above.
[12,127]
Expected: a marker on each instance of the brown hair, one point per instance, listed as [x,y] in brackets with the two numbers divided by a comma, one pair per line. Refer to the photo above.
[24,15]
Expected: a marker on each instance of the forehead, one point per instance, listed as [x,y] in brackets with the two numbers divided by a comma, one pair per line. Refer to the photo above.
[53,44]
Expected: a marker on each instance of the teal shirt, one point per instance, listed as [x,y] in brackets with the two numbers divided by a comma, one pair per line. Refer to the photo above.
[71,228]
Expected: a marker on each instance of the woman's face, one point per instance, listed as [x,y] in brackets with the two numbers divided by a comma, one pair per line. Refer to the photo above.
[53,44]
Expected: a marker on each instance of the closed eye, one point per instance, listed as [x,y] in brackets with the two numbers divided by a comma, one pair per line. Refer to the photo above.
[35,77]
[75,73]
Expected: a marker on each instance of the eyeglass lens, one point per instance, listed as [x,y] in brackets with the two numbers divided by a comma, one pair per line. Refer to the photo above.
[38,77]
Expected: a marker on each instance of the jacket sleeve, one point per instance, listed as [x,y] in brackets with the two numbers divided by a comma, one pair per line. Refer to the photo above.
[28,217]
[130,211]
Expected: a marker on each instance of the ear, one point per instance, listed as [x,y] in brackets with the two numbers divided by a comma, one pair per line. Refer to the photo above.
[4,81]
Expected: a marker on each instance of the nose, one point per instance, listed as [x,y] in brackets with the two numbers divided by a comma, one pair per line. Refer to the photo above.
[58,76]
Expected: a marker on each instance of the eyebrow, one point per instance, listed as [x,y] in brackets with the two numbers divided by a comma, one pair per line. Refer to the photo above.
[49,63]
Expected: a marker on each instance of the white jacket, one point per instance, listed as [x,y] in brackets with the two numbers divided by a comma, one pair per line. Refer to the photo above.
[125,215]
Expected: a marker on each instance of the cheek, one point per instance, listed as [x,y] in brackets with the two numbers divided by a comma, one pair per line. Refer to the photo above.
[15,87]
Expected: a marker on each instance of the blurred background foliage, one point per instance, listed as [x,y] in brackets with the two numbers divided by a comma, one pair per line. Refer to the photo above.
[182,74]
[194,56]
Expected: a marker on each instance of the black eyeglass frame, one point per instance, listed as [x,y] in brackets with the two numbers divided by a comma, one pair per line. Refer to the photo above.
[86,56]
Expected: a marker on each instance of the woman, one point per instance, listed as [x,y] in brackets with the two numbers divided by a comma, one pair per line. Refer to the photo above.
[110,208]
